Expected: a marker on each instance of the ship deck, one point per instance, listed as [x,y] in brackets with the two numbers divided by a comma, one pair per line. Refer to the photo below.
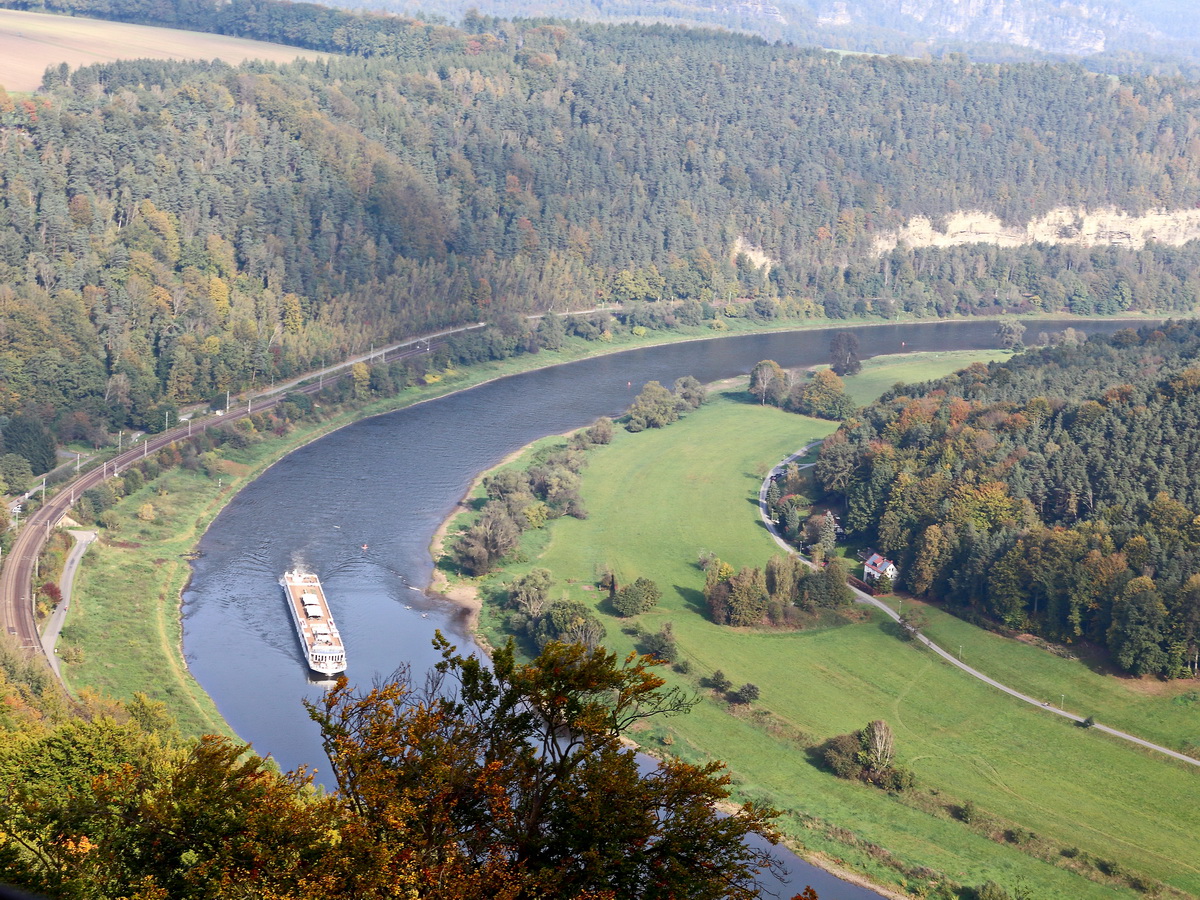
[311,613]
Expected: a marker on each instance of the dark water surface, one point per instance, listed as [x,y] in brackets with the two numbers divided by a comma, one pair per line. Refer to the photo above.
[388,483]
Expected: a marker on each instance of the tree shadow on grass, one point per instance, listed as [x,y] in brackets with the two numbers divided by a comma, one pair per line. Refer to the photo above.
[693,598]
[744,397]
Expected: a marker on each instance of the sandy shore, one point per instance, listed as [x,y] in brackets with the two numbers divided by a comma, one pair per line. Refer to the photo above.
[463,594]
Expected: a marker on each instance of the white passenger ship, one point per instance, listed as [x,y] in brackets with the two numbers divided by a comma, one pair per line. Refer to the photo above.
[322,644]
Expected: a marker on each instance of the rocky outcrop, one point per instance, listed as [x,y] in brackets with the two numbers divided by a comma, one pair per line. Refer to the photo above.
[1060,226]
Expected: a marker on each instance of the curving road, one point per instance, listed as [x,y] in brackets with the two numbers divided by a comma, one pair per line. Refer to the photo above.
[867,599]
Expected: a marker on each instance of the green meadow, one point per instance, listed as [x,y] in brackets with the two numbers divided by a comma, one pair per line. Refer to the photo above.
[1165,712]
[124,634]
[881,372]
[1057,809]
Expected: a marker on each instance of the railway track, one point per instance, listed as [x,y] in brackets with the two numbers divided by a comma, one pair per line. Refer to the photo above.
[17,574]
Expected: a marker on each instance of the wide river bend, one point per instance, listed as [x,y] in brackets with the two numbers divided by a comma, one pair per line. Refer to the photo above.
[388,482]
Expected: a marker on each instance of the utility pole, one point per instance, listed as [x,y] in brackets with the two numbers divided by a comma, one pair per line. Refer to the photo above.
[227,400]
[120,434]
[166,419]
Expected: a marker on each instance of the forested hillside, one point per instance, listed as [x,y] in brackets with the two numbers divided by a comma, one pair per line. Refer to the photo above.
[171,231]
[1057,492]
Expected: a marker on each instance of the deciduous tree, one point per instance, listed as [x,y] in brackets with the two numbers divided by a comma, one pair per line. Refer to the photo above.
[843,354]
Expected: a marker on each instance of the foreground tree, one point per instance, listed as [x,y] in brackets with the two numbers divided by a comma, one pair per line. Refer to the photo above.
[514,778]
[98,809]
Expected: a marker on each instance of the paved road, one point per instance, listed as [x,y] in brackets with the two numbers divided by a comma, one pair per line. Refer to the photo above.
[867,599]
[55,623]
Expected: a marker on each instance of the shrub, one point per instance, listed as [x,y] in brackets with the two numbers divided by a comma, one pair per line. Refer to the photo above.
[896,779]
[637,598]
[841,755]
[747,693]
[661,645]
[992,891]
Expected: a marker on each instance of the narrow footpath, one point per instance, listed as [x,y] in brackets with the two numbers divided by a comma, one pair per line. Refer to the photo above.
[50,633]
[868,600]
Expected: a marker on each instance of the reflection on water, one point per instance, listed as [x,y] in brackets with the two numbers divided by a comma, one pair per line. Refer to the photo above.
[360,507]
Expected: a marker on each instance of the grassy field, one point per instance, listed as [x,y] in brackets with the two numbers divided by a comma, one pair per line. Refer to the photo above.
[30,41]
[880,373]
[1058,806]
[1165,712]
[124,617]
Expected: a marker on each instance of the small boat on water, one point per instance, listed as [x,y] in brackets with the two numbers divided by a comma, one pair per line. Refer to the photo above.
[323,647]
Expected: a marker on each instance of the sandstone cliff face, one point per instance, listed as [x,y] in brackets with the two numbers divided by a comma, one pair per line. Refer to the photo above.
[1060,226]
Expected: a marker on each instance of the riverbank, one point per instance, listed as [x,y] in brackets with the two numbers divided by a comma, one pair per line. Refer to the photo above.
[448,447]
[823,681]
[144,611]
[878,374]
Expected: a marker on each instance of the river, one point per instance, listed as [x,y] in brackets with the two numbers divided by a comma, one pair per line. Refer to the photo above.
[360,507]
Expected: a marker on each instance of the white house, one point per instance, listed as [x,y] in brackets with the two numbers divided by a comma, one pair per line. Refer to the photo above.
[877,567]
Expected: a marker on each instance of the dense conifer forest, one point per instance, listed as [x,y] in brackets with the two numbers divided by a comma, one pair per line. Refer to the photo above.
[171,231]
[1057,492]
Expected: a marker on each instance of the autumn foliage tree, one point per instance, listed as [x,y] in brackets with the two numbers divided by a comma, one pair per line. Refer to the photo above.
[511,781]
[99,808]
[823,396]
